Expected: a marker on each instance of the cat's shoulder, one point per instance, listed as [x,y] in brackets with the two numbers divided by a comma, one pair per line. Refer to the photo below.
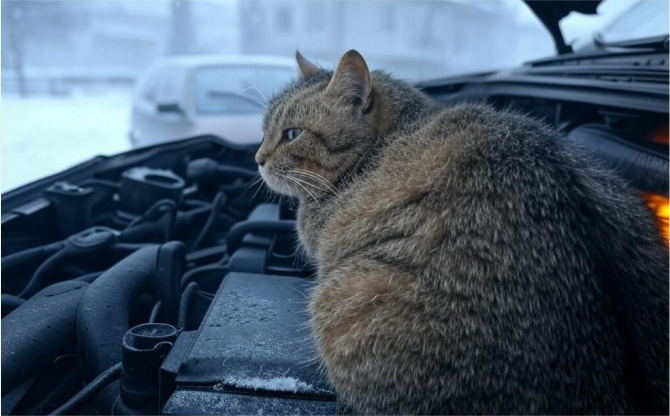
[482,121]
[479,130]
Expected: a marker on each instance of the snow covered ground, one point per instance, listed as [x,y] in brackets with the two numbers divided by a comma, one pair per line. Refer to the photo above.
[41,135]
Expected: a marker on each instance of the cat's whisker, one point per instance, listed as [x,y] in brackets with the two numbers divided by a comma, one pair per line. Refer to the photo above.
[262,104]
[254,182]
[260,186]
[317,177]
[300,185]
[245,90]
[319,180]
[256,88]
[286,189]
[306,190]
[311,184]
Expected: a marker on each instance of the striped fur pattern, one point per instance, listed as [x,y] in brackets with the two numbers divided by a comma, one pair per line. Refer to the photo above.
[470,261]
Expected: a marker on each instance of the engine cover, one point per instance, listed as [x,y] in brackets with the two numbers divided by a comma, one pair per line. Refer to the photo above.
[253,353]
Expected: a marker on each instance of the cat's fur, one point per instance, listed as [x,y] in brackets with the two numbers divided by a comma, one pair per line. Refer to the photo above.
[469,260]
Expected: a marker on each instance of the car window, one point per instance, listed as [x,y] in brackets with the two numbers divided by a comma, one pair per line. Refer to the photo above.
[238,89]
[164,86]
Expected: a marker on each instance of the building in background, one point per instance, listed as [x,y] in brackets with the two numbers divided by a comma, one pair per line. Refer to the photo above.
[49,45]
[417,40]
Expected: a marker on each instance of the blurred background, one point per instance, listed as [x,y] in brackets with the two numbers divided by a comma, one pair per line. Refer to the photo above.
[82,78]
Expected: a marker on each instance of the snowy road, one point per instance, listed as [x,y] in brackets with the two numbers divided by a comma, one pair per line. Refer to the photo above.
[41,135]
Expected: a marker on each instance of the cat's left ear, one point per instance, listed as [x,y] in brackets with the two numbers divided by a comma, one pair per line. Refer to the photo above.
[352,80]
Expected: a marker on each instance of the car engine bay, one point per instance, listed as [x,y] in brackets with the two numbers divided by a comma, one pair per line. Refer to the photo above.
[189,242]
[169,279]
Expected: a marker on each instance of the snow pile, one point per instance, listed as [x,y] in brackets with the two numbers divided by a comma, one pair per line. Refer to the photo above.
[42,135]
[287,384]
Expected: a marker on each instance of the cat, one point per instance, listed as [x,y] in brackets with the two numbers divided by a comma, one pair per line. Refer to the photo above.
[469,260]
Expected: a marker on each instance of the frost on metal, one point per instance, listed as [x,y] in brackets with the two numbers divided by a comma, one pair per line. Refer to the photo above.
[197,402]
[285,384]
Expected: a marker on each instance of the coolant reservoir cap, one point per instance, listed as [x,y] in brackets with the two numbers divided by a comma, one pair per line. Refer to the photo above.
[163,178]
[141,187]
[93,238]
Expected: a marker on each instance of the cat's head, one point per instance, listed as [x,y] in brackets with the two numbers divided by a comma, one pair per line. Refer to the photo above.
[319,127]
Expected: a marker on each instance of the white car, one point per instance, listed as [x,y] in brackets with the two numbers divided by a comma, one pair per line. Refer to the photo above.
[186,96]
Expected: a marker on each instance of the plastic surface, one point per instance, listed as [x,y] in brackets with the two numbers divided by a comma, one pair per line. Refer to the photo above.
[142,187]
[73,204]
[144,349]
[38,331]
[253,353]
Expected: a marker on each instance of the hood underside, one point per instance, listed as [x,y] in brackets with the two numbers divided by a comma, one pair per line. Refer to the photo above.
[551,12]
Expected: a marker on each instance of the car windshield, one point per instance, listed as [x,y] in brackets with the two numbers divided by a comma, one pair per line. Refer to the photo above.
[238,89]
[616,21]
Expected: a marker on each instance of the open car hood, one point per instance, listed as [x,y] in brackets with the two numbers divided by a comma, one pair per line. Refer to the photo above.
[551,12]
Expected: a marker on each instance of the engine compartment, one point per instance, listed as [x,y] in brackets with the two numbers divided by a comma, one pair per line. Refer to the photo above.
[169,279]
[166,237]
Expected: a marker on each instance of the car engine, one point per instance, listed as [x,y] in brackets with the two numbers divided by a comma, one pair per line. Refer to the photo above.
[169,279]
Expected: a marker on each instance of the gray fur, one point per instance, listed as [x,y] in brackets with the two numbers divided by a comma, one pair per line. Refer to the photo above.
[470,260]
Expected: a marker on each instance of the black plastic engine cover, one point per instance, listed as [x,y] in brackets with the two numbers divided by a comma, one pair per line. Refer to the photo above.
[253,353]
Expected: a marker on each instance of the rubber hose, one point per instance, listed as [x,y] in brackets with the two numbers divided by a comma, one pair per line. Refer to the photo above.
[39,331]
[72,406]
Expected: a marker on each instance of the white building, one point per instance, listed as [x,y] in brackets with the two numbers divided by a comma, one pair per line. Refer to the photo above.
[117,38]
[415,39]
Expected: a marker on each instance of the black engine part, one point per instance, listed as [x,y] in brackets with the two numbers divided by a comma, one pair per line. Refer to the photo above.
[38,331]
[253,354]
[144,349]
[182,243]
[142,187]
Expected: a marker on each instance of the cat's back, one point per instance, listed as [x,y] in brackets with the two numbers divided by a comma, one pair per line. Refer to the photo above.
[466,165]
[472,215]
[505,230]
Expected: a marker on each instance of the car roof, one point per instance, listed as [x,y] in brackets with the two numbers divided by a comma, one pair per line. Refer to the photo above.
[194,61]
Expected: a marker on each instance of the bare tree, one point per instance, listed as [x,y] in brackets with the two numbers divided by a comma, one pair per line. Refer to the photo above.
[14,32]
[181,34]
[27,22]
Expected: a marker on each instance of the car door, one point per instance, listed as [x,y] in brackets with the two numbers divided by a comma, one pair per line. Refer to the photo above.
[161,109]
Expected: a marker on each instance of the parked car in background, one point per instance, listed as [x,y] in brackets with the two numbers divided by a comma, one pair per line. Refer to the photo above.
[187,96]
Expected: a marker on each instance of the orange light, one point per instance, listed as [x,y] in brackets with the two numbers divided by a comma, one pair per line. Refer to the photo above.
[660,135]
[659,204]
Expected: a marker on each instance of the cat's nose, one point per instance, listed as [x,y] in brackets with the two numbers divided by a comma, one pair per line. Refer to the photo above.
[260,160]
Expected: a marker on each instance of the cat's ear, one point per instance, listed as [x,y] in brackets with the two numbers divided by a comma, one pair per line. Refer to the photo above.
[307,69]
[352,80]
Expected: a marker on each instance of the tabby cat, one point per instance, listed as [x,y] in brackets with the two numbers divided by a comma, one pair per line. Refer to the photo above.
[469,260]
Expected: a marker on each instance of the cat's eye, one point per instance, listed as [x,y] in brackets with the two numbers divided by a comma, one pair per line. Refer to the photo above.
[291,134]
